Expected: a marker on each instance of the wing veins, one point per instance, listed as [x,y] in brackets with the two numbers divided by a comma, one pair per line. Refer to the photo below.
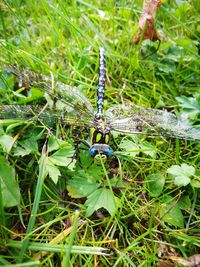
[150,122]
[62,90]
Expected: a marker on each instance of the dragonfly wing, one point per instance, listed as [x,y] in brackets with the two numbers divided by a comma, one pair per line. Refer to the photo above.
[138,120]
[39,113]
[68,97]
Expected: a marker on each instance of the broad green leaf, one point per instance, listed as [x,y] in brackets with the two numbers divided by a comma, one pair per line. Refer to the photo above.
[83,186]
[26,147]
[156,182]
[63,157]
[95,172]
[189,170]
[174,216]
[174,170]
[54,143]
[36,133]
[9,186]
[33,94]
[188,45]
[101,198]
[117,182]
[182,180]
[184,202]
[131,148]
[85,159]
[6,141]
[181,174]
[72,192]
[148,149]
[166,66]
[20,151]
[6,80]
[53,171]
[170,212]
[134,148]
[189,103]
[195,182]
[190,107]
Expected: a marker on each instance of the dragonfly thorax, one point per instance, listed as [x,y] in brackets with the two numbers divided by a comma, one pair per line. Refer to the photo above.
[100,137]
[100,133]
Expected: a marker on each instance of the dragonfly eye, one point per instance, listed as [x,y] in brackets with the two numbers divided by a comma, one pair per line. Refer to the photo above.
[109,152]
[93,151]
[101,150]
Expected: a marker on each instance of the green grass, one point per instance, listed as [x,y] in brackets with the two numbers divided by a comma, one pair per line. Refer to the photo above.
[149,214]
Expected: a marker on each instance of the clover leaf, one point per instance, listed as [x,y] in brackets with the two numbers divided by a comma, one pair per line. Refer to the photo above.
[181,174]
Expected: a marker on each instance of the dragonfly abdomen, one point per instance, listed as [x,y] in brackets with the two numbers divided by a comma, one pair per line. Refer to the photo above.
[101,83]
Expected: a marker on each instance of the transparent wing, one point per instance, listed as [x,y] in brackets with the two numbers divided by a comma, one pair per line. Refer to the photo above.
[133,119]
[67,99]
[39,113]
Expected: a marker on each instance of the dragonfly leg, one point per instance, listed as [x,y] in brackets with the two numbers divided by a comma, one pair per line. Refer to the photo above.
[84,142]
[78,147]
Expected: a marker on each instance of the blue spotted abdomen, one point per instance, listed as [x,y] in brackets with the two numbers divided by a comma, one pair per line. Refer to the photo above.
[101,83]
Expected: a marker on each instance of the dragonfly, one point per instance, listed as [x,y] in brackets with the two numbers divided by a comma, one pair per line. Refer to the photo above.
[71,106]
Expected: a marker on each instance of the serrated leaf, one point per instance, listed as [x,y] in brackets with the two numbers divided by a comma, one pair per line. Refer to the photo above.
[63,157]
[101,198]
[19,151]
[53,171]
[53,143]
[82,185]
[6,141]
[72,192]
[85,159]
[95,172]
[26,147]
[9,186]
[156,182]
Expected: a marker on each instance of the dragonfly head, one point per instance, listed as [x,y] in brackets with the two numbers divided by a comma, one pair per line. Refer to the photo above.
[100,151]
